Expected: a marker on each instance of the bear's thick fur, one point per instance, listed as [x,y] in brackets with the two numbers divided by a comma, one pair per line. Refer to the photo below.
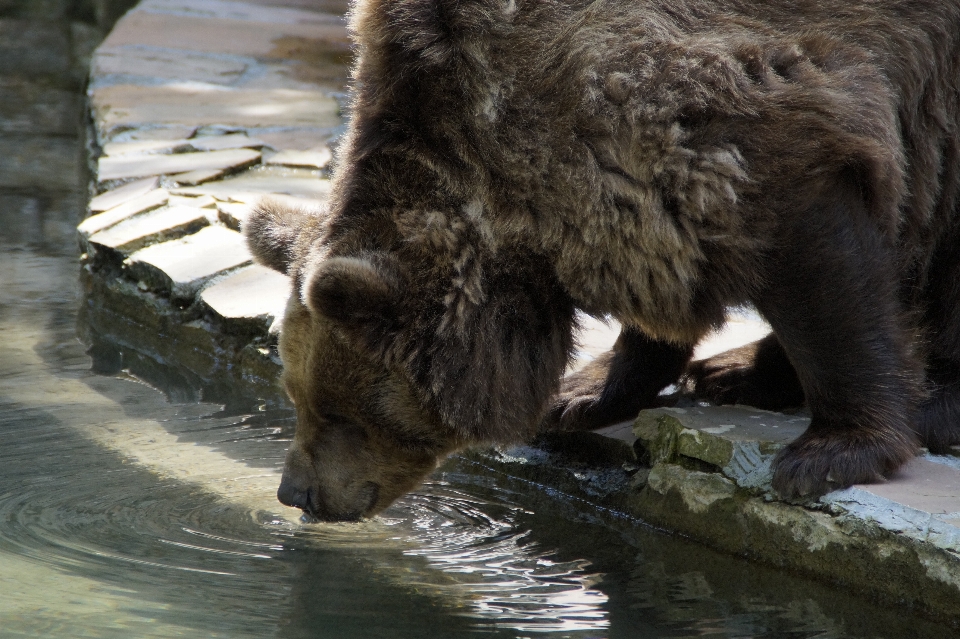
[511,161]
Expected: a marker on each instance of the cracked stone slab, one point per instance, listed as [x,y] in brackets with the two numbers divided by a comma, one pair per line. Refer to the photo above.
[174,64]
[123,194]
[140,147]
[153,132]
[739,440]
[159,225]
[196,104]
[253,298]
[224,142]
[317,158]
[922,495]
[202,202]
[286,12]
[233,215]
[180,268]
[242,29]
[299,139]
[140,204]
[199,143]
[299,183]
[129,166]
[194,178]
[742,326]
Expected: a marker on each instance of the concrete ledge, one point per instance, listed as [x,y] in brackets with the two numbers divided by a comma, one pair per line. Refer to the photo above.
[704,472]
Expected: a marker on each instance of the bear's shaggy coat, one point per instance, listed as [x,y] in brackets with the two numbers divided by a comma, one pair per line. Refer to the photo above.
[511,161]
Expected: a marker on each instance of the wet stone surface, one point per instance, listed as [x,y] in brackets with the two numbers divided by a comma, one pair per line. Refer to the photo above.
[131,203]
[123,194]
[150,228]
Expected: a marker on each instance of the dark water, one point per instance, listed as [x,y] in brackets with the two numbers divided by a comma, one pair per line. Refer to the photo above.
[125,515]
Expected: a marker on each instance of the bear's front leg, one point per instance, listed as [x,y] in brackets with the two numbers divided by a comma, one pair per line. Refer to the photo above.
[832,301]
[618,384]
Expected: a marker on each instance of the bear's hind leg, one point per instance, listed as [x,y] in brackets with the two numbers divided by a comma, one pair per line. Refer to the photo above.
[939,424]
[618,384]
[757,374]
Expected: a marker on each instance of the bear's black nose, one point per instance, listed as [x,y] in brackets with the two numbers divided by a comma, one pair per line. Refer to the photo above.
[290,495]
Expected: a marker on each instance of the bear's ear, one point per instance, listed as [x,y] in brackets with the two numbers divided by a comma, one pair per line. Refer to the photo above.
[360,294]
[272,230]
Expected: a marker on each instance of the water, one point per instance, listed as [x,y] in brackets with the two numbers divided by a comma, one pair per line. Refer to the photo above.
[123,514]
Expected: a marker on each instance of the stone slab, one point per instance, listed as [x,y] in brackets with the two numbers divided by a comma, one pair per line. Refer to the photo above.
[150,131]
[594,338]
[179,268]
[199,143]
[162,224]
[898,540]
[193,178]
[233,215]
[202,202]
[598,336]
[195,104]
[923,484]
[257,183]
[622,431]
[296,139]
[102,221]
[129,166]
[254,295]
[285,12]
[317,158]
[123,194]
[224,142]
[140,147]
[233,28]
[741,441]
[183,66]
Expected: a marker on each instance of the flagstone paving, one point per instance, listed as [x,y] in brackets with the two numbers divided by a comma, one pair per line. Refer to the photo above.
[180,268]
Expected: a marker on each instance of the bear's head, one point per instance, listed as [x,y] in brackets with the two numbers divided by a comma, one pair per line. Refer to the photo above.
[383,387]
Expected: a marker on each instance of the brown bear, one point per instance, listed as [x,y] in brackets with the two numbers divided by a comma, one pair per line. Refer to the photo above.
[509,162]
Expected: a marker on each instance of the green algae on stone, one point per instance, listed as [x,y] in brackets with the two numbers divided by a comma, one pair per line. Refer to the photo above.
[738,440]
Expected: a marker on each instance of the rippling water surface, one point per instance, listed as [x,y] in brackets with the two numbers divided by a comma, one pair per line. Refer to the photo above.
[125,515]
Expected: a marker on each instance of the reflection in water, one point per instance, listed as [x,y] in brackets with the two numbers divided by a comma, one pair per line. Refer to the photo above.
[515,585]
